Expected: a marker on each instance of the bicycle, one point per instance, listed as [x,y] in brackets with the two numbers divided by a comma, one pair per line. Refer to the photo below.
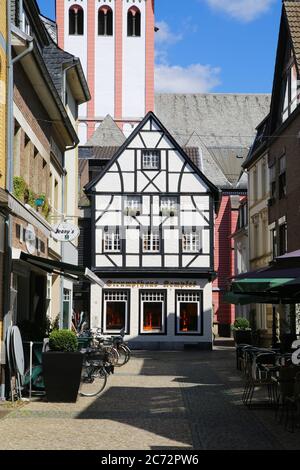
[95,370]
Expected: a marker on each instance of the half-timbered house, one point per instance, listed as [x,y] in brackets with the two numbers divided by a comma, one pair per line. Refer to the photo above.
[152,243]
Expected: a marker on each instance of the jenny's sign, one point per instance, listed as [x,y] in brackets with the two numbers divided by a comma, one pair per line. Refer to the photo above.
[65,232]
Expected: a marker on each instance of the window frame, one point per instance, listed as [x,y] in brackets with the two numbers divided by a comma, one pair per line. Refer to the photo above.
[73,8]
[109,10]
[111,231]
[200,314]
[132,197]
[134,26]
[282,250]
[127,312]
[199,231]
[282,186]
[164,292]
[143,154]
[150,231]
[169,198]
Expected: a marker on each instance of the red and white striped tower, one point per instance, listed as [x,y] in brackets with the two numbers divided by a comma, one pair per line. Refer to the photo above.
[117,58]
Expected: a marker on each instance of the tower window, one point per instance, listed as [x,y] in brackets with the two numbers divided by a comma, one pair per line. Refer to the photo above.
[76,19]
[134,22]
[105,21]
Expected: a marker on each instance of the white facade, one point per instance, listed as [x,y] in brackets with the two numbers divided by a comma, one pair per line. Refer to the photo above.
[153,222]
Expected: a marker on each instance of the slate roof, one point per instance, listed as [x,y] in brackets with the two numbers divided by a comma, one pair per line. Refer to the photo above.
[97,153]
[221,125]
[292,10]
[108,134]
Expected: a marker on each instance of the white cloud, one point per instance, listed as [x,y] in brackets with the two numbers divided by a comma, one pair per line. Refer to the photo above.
[243,10]
[195,78]
[165,36]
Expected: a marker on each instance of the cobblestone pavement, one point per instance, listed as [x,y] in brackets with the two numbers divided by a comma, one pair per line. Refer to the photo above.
[159,401]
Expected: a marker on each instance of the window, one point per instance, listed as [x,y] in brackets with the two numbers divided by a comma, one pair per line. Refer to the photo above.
[243,216]
[289,88]
[134,22]
[273,181]
[188,312]
[282,177]
[274,243]
[150,159]
[255,185]
[192,240]
[169,206]
[151,242]
[112,241]
[116,308]
[105,21]
[76,21]
[264,178]
[133,205]
[282,239]
[153,311]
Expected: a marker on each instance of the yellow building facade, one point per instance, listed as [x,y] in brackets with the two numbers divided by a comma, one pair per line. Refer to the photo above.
[3,89]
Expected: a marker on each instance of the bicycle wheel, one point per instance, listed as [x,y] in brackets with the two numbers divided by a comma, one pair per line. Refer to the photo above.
[113,355]
[128,356]
[123,356]
[93,380]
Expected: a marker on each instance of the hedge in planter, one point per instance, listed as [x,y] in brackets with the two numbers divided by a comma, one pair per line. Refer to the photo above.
[62,367]
[242,332]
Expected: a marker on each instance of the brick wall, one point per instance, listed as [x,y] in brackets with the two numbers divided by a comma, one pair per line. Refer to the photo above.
[225,226]
[16,243]
[289,144]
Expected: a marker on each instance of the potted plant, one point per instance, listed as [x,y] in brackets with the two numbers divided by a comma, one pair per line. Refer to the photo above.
[242,332]
[62,367]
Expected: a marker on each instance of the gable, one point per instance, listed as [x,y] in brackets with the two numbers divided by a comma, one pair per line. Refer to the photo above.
[175,173]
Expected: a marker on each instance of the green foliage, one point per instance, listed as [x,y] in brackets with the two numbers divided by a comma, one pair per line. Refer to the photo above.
[20,188]
[241,324]
[63,340]
[46,210]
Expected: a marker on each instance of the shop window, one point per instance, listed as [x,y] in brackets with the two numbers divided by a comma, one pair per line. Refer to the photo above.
[189,312]
[134,22]
[169,206]
[153,312]
[150,159]
[151,242]
[192,241]
[116,309]
[105,21]
[112,241]
[76,21]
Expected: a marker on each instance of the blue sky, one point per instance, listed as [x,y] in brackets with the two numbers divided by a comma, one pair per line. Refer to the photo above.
[224,46]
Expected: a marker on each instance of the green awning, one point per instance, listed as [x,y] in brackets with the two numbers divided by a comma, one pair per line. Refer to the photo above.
[246,299]
[259,285]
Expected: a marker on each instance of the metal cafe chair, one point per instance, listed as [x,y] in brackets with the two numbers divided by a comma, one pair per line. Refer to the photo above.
[260,374]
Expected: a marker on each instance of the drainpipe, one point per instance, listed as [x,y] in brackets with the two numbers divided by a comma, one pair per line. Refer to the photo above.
[63,190]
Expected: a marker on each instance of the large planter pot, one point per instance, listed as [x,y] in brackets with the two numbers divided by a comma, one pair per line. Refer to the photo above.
[242,336]
[62,373]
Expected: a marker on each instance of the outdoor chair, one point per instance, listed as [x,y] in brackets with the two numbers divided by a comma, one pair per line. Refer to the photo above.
[285,387]
[260,373]
[292,405]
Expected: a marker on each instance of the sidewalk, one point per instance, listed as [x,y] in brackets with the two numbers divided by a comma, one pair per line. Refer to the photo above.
[159,401]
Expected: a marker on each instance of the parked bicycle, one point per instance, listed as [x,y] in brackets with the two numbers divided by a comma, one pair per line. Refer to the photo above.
[95,371]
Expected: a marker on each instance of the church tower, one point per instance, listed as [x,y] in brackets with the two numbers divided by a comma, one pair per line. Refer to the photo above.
[115,41]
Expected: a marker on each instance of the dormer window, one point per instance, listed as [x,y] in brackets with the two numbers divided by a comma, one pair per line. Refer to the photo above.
[289,91]
[105,21]
[76,21]
[134,22]
[150,159]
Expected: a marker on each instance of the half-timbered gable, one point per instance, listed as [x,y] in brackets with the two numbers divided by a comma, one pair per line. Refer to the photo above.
[152,207]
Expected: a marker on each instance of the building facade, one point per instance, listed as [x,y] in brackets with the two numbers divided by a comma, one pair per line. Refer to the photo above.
[115,41]
[3,163]
[153,243]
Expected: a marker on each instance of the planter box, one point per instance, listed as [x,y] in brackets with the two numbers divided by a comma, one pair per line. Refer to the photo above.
[62,374]
[242,336]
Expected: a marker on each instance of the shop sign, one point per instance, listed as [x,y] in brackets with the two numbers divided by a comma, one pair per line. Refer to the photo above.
[153,284]
[65,232]
[30,239]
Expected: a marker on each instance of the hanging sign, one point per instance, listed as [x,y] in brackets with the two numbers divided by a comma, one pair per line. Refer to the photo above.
[65,232]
